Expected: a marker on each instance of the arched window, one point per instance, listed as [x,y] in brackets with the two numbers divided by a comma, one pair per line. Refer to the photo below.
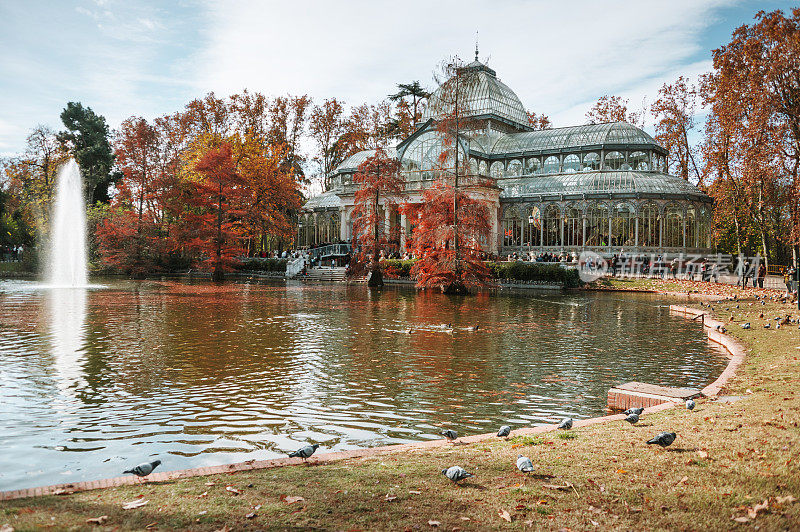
[514,168]
[483,169]
[623,226]
[473,166]
[497,170]
[639,161]
[597,226]
[572,163]
[649,231]
[552,226]
[512,228]
[573,227]
[614,160]
[591,162]
[551,165]
[673,227]
[534,166]
[703,226]
[691,227]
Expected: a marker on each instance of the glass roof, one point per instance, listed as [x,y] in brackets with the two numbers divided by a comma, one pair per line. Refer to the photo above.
[571,137]
[326,199]
[355,160]
[622,182]
[487,95]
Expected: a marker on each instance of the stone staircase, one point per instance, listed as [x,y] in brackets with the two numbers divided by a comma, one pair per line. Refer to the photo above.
[326,274]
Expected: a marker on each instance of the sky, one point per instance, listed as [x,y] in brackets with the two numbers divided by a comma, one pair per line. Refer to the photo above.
[149,58]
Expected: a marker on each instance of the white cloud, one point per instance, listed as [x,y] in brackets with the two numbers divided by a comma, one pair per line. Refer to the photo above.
[556,56]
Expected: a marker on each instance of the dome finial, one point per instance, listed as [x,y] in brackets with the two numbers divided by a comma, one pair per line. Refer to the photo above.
[476,45]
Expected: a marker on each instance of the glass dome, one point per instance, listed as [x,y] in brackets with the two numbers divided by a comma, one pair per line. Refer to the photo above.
[487,95]
[608,133]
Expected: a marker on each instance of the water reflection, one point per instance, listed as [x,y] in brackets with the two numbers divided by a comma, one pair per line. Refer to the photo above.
[199,374]
[66,311]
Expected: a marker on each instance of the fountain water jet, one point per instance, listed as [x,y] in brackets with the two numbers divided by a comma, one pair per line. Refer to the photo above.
[67,259]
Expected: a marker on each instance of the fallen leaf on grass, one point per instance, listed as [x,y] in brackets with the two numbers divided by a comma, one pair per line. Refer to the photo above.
[203,495]
[233,490]
[621,471]
[6,528]
[209,483]
[434,523]
[752,513]
[505,515]
[465,519]
[138,503]
[390,498]
[62,492]
[682,481]
[702,454]
[151,526]
[565,487]
[289,499]
[251,515]
[784,500]
[97,520]
[415,492]
[741,519]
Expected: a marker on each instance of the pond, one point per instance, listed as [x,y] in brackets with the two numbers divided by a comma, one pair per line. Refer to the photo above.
[199,374]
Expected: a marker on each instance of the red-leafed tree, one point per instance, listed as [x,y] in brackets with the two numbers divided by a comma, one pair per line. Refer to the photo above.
[378,178]
[454,222]
[450,255]
[214,212]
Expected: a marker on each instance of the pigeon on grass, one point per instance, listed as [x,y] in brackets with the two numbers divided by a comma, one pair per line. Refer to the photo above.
[566,423]
[664,439]
[524,464]
[690,404]
[304,452]
[504,431]
[450,434]
[456,473]
[144,469]
[632,418]
[637,411]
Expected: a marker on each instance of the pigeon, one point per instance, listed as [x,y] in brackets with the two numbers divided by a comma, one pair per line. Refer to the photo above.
[566,423]
[766,326]
[745,325]
[456,473]
[632,418]
[664,439]
[304,452]
[450,434]
[504,431]
[524,464]
[690,404]
[142,470]
[637,411]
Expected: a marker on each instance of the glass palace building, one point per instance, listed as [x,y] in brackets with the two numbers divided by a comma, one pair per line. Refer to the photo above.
[601,187]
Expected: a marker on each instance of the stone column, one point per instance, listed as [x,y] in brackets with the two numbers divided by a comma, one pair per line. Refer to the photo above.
[583,222]
[342,224]
[636,232]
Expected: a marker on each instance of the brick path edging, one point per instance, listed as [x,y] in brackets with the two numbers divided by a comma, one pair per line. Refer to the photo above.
[735,349]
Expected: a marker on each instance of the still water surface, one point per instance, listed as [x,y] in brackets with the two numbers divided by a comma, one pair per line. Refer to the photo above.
[92,381]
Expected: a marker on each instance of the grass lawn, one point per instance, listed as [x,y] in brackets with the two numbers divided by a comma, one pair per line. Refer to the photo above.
[735,464]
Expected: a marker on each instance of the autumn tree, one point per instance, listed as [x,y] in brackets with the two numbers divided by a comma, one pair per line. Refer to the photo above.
[752,139]
[378,178]
[407,115]
[538,121]
[216,210]
[614,109]
[326,125]
[674,114]
[455,223]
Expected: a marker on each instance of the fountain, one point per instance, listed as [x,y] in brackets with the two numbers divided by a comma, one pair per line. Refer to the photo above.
[67,259]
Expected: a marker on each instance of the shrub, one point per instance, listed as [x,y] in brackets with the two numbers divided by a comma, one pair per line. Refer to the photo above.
[536,272]
[395,268]
[258,264]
